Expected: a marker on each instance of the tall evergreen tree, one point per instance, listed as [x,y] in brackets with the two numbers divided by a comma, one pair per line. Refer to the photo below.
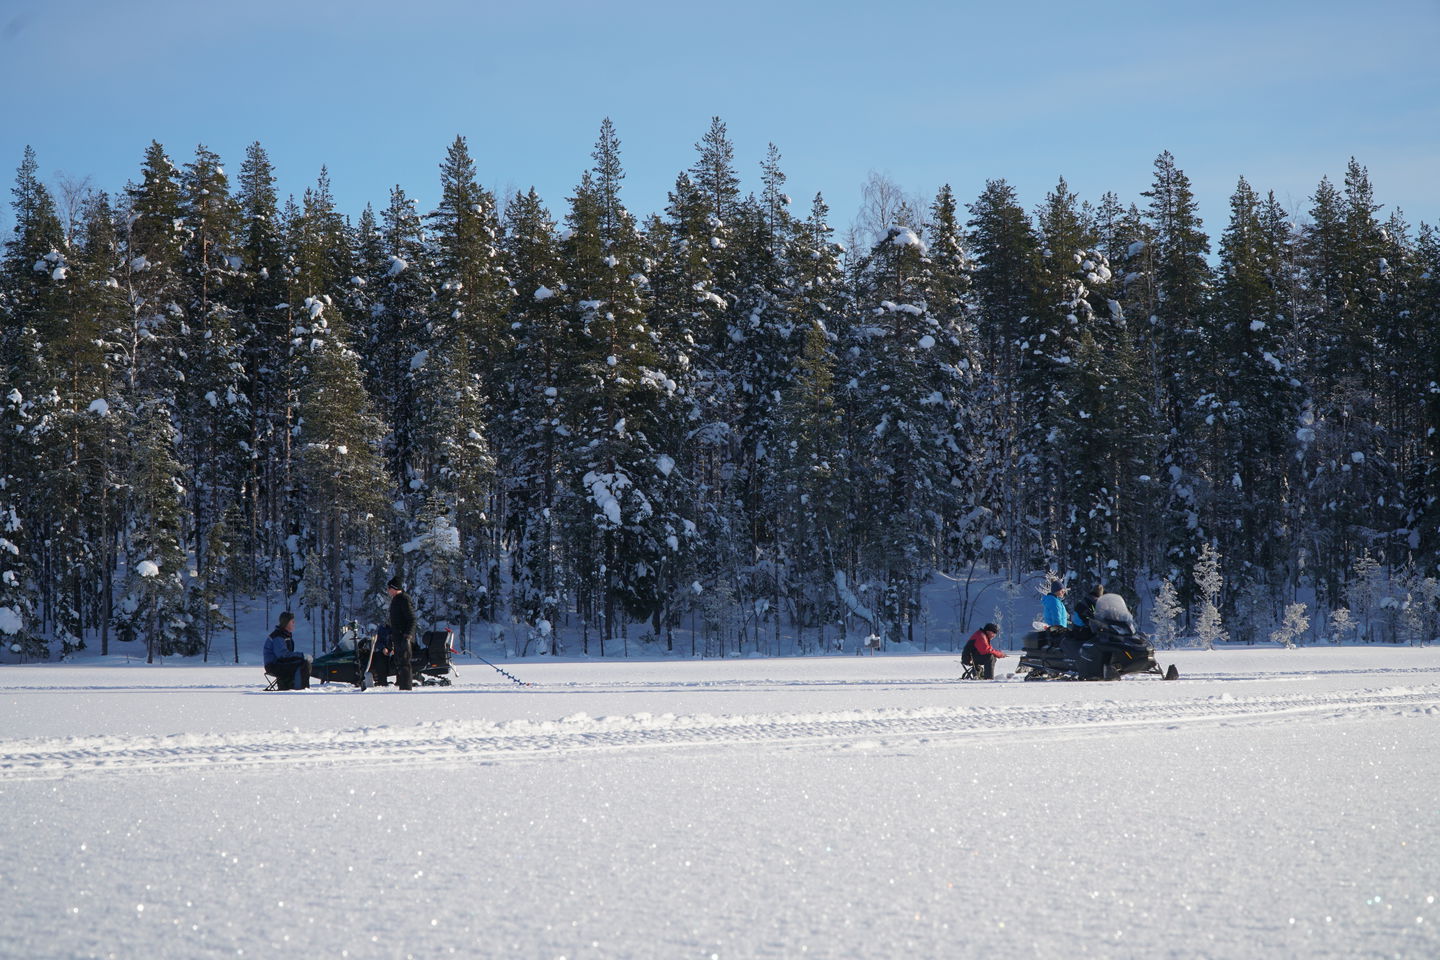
[1179,333]
[625,518]
[1006,254]
[1249,398]
[535,421]
[211,404]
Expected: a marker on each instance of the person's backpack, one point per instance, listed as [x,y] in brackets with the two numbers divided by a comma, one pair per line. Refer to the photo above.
[967,656]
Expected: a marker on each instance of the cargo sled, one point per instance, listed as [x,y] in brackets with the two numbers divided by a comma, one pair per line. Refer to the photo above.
[429,664]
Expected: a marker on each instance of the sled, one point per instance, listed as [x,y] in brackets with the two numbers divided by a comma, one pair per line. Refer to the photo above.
[429,663]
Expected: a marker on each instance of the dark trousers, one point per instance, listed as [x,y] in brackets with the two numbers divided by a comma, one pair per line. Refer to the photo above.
[403,678]
[290,673]
[986,663]
[388,665]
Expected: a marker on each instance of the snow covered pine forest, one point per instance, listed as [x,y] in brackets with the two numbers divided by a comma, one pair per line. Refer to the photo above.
[711,429]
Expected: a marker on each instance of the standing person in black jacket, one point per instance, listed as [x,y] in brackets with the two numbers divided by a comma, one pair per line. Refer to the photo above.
[402,631]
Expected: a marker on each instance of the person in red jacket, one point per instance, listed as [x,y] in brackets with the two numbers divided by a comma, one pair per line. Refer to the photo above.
[980,650]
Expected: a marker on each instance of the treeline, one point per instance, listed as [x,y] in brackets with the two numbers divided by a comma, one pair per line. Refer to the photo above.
[716,413]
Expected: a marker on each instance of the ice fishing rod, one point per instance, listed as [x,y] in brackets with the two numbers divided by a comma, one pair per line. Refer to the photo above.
[504,673]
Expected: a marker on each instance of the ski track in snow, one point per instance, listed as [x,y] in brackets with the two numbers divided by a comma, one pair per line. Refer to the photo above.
[489,742]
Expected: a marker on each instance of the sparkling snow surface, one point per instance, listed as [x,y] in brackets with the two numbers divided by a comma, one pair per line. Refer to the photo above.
[1269,804]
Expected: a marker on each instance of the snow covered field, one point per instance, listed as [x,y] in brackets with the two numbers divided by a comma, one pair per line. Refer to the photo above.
[1271,803]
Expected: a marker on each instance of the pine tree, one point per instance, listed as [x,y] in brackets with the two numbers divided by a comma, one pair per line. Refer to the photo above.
[210,400]
[152,278]
[80,437]
[954,307]
[534,428]
[1249,399]
[1180,335]
[911,374]
[1006,254]
[337,464]
[33,263]
[1345,467]
[35,288]
[624,517]
[16,603]
[1424,490]
[1208,580]
[1165,614]
[470,343]
[1048,375]
[154,605]
[262,332]
[808,491]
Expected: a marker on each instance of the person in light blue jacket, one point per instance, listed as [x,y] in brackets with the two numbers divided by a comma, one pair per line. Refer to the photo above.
[291,670]
[1055,615]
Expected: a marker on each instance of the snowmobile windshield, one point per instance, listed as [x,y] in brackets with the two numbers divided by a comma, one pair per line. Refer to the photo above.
[1112,609]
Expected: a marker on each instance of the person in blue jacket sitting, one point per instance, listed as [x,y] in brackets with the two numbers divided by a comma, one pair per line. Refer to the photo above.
[1055,614]
[291,670]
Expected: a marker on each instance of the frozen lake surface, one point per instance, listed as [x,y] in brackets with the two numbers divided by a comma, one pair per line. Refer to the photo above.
[1271,803]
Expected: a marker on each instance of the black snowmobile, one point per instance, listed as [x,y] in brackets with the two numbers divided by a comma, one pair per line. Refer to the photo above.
[1100,650]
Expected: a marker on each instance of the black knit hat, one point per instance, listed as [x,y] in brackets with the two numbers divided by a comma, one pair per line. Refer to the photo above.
[394,583]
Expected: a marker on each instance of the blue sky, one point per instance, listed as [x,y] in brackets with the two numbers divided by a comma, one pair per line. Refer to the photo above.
[923,92]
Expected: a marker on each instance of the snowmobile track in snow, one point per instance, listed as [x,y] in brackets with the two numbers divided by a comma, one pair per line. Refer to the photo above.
[487,742]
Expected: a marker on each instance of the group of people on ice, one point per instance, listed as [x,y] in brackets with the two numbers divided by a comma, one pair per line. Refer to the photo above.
[980,650]
[291,669]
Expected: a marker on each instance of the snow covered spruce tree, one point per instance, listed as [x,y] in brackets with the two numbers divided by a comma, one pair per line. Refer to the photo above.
[339,483]
[210,400]
[764,345]
[909,373]
[1006,255]
[153,280]
[16,603]
[154,607]
[696,303]
[625,524]
[394,331]
[458,384]
[1424,492]
[1360,417]
[1209,626]
[338,468]
[1249,400]
[82,435]
[1047,373]
[1179,329]
[1098,433]
[33,266]
[955,309]
[534,391]
[810,455]
[262,332]
[32,292]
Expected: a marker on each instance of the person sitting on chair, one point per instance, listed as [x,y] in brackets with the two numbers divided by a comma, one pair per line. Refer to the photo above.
[981,652]
[291,670]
